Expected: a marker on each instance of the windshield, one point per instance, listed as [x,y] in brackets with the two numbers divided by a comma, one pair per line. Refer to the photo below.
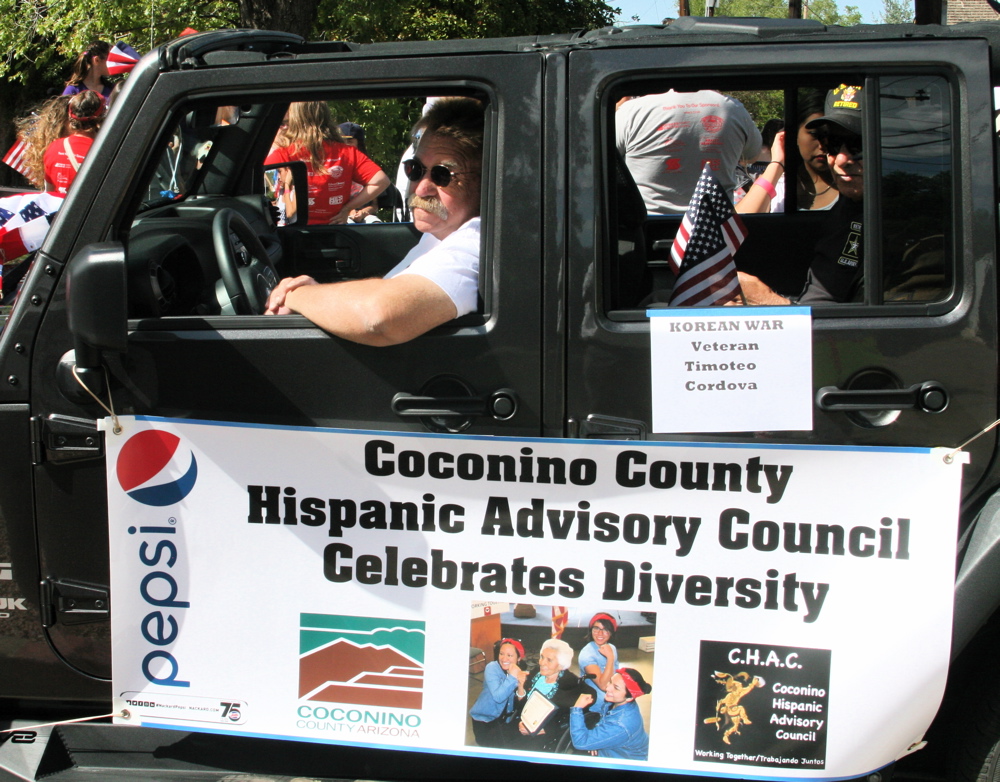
[188,145]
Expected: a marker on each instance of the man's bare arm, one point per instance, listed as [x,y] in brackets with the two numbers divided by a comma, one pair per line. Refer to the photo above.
[757,292]
[374,312]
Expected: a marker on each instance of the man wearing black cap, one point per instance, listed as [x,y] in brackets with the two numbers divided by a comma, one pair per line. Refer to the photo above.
[354,135]
[836,272]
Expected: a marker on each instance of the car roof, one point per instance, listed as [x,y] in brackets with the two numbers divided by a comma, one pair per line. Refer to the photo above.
[222,48]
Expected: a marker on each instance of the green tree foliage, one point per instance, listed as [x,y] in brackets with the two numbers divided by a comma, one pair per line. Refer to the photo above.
[290,16]
[896,12]
[388,123]
[41,38]
[44,36]
[762,105]
[390,20]
[825,11]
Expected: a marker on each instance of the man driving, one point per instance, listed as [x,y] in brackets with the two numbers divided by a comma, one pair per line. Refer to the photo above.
[438,280]
[837,269]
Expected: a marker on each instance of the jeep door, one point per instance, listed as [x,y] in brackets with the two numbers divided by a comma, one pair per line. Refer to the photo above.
[284,370]
[925,187]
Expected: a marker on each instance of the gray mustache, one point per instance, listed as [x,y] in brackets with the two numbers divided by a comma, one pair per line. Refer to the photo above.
[432,205]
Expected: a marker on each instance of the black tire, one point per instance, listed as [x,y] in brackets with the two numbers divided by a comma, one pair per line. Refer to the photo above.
[976,761]
[991,769]
[974,749]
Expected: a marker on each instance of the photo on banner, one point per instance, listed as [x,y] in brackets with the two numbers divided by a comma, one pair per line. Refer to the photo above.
[495,710]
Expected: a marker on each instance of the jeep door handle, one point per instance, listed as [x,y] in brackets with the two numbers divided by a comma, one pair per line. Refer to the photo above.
[502,404]
[930,397]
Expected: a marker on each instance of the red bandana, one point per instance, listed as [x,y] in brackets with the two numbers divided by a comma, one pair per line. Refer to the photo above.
[630,684]
[516,644]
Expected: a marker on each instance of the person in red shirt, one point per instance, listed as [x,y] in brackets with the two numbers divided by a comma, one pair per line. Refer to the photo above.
[36,130]
[332,166]
[64,156]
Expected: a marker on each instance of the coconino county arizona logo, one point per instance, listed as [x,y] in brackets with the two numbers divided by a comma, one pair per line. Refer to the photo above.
[364,660]
[155,468]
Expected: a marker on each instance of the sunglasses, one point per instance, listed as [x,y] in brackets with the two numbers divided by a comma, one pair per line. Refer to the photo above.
[832,143]
[440,175]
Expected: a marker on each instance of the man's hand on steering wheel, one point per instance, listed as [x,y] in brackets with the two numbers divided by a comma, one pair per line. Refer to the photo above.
[246,272]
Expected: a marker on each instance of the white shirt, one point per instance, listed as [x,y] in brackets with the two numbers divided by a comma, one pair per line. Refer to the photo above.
[452,264]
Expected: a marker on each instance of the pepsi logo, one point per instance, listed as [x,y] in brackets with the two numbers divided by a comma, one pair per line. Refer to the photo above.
[154,468]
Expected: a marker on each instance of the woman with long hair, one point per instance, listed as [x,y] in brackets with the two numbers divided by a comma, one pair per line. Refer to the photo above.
[37,130]
[52,159]
[332,166]
[64,156]
[90,71]
[813,180]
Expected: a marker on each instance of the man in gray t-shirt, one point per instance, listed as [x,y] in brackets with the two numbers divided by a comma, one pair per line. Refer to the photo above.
[667,139]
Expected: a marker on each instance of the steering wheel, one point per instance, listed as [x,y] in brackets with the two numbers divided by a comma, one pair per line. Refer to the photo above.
[248,276]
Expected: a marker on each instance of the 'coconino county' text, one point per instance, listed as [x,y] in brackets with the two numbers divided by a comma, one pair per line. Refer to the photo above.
[632,469]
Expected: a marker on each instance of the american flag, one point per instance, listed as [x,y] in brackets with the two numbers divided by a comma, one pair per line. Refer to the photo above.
[560,615]
[122,58]
[702,255]
[15,157]
[24,222]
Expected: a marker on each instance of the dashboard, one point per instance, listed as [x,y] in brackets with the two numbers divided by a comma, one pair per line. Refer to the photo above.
[174,264]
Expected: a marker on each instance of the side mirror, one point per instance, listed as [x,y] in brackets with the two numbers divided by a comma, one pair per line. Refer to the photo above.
[287,188]
[96,302]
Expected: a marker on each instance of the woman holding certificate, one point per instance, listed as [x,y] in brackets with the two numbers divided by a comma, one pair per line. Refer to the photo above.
[620,732]
[545,697]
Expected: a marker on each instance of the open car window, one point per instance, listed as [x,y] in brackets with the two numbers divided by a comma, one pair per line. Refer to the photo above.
[229,154]
[893,247]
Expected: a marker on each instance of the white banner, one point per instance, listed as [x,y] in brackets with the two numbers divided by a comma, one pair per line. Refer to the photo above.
[349,586]
[731,369]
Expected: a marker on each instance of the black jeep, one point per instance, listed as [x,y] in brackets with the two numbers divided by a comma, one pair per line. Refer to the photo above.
[150,286]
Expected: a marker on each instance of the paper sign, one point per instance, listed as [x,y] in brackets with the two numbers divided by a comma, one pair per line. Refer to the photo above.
[488,608]
[537,709]
[731,369]
[324,585]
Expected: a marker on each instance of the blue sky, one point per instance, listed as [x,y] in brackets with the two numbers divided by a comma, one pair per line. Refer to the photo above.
[653,11]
